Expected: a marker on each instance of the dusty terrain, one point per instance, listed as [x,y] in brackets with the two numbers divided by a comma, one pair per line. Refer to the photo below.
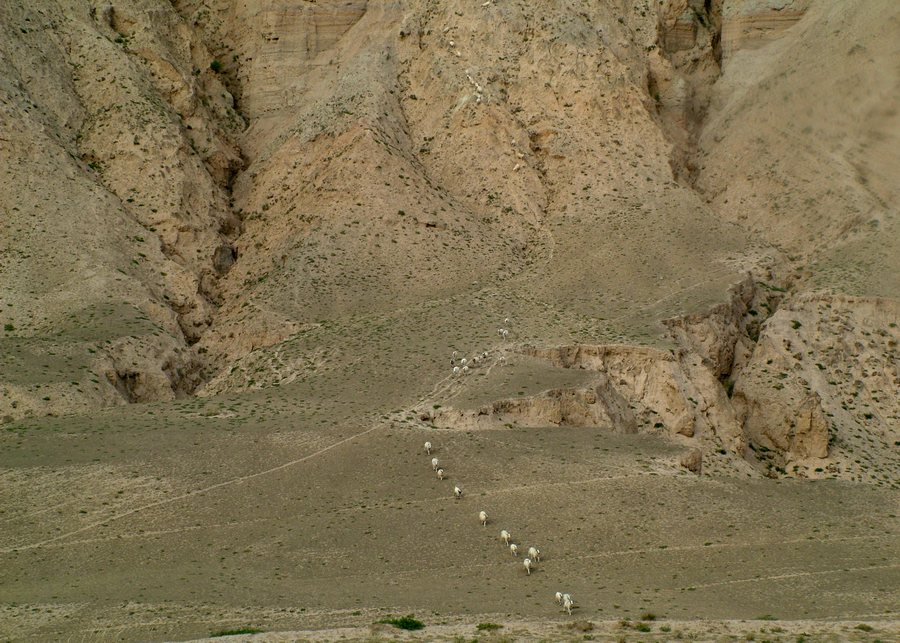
[242,240]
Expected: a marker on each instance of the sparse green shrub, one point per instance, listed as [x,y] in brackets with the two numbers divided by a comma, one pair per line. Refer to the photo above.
[488,627]
[642,627]
[216,66]
[8,328]
[864,627]
[408,622]
[795,324]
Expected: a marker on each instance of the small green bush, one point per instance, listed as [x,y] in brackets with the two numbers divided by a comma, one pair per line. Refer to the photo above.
[216,66]
[404,622]
[642,627]
[864,627]
[8,328]
[488,627]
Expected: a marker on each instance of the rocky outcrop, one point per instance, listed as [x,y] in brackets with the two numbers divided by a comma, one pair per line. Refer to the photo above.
[811,385]
[749,24]
[819,384]
[635,390]
[267,48]
[725,335]
[598,406]
[693,461]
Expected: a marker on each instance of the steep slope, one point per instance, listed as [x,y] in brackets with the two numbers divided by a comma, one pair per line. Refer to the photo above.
[117,160]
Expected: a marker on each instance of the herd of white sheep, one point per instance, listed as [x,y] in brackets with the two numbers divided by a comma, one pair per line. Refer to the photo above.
[462,366]
[534,554]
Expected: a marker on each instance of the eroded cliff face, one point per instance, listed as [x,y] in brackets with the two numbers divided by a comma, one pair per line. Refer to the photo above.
[804,390]
[751,24]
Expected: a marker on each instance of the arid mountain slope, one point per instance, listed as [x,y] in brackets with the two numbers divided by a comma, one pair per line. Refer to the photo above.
[242,240]
[593,171]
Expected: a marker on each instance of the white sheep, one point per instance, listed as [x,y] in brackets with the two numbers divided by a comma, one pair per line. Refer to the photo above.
[514,549]
[559,598]
[457,492]
[484,355]
[567,605]
[527,563]
[482,516]
[463,361]
[456,370]
[440,474]
[516,167]
[465,370]
[506,321]
[504,536]
[428,448]
[455,355]
[434,464]
[535,554]
[505,334]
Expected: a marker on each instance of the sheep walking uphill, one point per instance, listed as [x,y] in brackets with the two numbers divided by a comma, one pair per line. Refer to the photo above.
[440,474]
[457,492]
[434,464]
[568,603]
[535,554]
[559,598]
[527,564]
[482,517]
[504,536]
[514,549]
[428,448]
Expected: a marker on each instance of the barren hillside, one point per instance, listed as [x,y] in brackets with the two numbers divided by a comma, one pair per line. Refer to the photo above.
[246,244]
